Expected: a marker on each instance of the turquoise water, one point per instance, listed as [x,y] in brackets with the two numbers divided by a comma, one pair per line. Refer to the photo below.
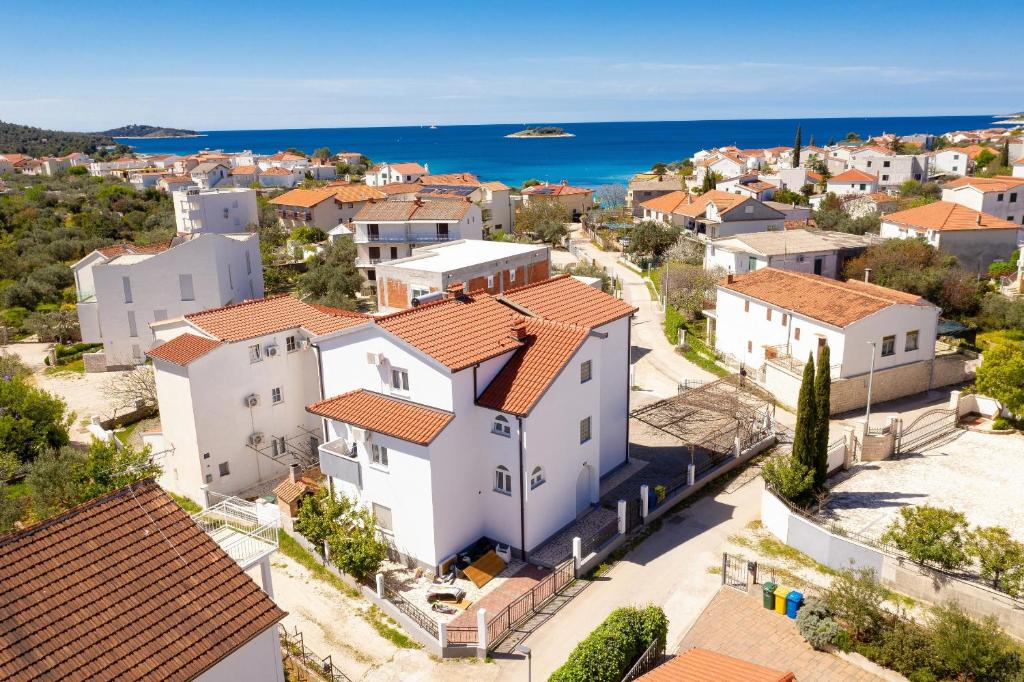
[600,153]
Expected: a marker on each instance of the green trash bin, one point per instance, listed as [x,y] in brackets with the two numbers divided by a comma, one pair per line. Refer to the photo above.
[769,595]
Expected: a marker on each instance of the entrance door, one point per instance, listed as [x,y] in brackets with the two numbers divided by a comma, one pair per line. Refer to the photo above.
[583,491]
[818,263]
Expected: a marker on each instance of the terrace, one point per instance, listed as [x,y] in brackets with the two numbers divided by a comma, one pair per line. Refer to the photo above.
[247,531]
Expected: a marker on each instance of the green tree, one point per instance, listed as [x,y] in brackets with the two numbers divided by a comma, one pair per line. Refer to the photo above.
[855,597]
[31,420]
[650,239]
[788,196]
[545,218]
[822,398]
[930,535]
[971,650]
[710,181]
[355,546]
[318,517]
[983,158]
[614,646]
[796,148]
[1004,154]
[659,169]
[690,288]
[1000,558]
[1001,376]
[804,435]
[332,278]
[787,476]
[323,153]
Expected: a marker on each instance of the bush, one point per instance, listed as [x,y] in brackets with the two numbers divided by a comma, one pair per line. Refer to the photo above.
[1001,424]
[969,650]
[608,652]
[855,597]
[815,623]
[787,476]
[930,534]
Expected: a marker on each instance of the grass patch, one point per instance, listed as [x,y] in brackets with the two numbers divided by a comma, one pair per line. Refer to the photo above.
[1011,336]
[651,290]
[125,434]
[388,629]
[75,367]
[185,503]
[714,570]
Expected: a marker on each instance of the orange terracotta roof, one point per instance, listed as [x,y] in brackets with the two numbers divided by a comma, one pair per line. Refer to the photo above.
[557,190]
[701,665]
[495,186]
[277,171]
[972,150]
[289,491]
[401,211]
[945,215]
[269,315]
[116,250]
[568,300]
[245,170]
[356,193]
[16,158]
[669,203]
[127,587]
[306,198]
[827,300]
[383,414]
[531,369]
[853,175]
[183,349]
[884,151]
[407,168]
[450,179]
[400,188]
[176,179]
[996,183]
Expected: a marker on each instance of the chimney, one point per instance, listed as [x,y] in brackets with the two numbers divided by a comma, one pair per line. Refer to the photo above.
[729,279]
[978,219]
[519,327]
[867,275]
[293,473]
[456,290]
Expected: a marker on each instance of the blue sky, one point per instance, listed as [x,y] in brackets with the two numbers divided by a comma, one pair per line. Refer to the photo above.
[235,65]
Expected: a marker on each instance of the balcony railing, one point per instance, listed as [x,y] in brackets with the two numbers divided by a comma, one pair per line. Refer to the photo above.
[367,262]
[408,238]
[341,460]
[245,530]
[782,356]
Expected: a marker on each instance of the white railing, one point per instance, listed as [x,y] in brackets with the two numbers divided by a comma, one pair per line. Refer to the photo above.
[245,530]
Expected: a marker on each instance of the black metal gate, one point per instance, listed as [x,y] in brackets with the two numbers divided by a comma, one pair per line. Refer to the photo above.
[926,429]
[634,513]
[735,571]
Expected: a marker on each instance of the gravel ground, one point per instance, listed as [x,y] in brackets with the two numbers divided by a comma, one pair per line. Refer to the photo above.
[977,473]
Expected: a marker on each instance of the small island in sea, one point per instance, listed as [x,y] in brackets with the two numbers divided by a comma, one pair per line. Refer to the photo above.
[542,131]
[140,131]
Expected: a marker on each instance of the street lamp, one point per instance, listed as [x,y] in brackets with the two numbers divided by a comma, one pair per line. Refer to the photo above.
[871,376]
[525,650]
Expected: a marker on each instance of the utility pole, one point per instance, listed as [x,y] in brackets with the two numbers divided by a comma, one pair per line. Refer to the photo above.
[871,376]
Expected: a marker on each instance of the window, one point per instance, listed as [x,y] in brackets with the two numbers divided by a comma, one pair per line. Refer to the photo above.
[746,306]
[751,263]
[501,427]
[400,380]
[886,164]
[748,209]
[383,516]
[586,371]
[254,353]
[371,275]
[768,315]
[502,481]
[379,455]
[206,455]
[884,178]
[536,477]
[209,478]
[132,330]
[159,314]
[1013,197]
[248,263]
[512,275]
[394,252]
[911,343]
[185,284]
[869,164]
[999,197]
[863,186]
[126,283]
[584,430]
[275,395]
[785,319]
[888,345]
[490,281]
[223,469]
[289,343]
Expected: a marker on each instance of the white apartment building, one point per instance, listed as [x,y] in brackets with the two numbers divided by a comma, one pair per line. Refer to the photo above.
[214,210]
[276,176]
[233,385]
[387,173]
[1018,168]
[1001,196]
[890,169]
[121,289]
[210,174]
[388,230]
[819,252]
[852,182]
[950,160]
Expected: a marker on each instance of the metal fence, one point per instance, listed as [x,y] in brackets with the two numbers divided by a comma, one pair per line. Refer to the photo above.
[525,606]
[307,661]
[648,661]
[597,540]
[424,621]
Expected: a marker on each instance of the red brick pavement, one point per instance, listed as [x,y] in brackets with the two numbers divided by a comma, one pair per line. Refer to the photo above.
[496,600]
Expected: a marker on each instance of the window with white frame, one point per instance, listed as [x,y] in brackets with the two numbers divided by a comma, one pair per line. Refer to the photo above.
[275,395]
[501,427]
[255,353]
[912,341]
[502,481]
[512,275]
[584,430]
[379,455]
[888,345]
[400,380]
[490,281]
[185,285]
[536,477]
[383,516]
[290,344]
[586,371]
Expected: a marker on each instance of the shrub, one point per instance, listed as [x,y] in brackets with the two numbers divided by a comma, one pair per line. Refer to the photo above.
[969,650]
[855,597]
[815,623]
[607,653]
[905,647]
[930,534]
[999,556]
[787,476]
[1001,424]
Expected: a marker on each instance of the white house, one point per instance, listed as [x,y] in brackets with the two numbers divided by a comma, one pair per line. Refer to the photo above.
[1018,168]
[714,213]
[276,176]
[137,591]
[1001,196]
[214,210]
[975,238]
[209,174]
[950,160]
[889,168]
[387,173]
[852,182]
[323,207]
[818,252]
[121,289]
[388,230]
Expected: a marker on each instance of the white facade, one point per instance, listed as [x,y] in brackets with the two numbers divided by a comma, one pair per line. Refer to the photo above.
[1006,201]
[950,161]
[218,210]
[258,660]
[387,173]
[119,296]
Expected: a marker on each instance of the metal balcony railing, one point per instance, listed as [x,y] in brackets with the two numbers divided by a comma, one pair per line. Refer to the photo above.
[245,530]
[782,356]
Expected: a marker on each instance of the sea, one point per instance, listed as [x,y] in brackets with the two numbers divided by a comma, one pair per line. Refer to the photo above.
[599,154]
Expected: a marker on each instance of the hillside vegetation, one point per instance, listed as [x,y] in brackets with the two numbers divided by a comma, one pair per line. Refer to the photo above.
[142,130]
[21,139]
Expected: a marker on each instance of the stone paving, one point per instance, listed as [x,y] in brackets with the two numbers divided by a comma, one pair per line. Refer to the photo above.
[558,548]
[735,624]
[976,473]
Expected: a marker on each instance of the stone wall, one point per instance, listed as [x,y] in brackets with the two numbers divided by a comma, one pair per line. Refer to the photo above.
[94,362]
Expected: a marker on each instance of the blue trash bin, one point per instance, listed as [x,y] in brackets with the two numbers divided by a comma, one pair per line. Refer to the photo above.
[793,601]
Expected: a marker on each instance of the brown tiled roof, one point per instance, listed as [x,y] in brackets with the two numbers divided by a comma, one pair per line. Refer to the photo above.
[853,175]
[532,368]
[277,171]
[392,211]
[819,298]
[457,332]
[495,185]
[116,250]
[945,215]
[996,183]
[407,168]
[393,417]
[183,349]
[558,190]
[400,188]
[269,315]
[245,170]
[126,587]
[669,203]
[354,193]
[450,179]
[568,300]
[306,198]
[289,491]
[701,665]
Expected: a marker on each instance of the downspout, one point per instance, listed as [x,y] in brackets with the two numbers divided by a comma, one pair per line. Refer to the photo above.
[629,388]
[522,493]
[320,378]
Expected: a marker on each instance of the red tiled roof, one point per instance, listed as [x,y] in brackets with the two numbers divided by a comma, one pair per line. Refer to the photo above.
[531,369]
[245,170]
[400,188]
[558,190]
[277,171]
[820,298]
[568,300]
[946,215]
[391,416]
[996,183]
[183,349]
[450,179]
[853,175]
[127,587]
[400,211]
[115,250]
[289,491]
[269,315]
[305,198]
[407,168]
[701,665]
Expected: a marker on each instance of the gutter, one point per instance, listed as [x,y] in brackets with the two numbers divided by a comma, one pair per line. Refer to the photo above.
[522,493]
[320,378]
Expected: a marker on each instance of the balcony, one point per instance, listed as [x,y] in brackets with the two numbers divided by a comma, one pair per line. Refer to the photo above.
[781,356]
[367,262]
[407,238]
[340,460]
[247,531]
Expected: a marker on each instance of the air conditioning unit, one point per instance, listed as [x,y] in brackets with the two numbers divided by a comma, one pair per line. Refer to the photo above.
[303,344]
[376,359]
[271,350]
[359,435]
[255,438]
[252,400]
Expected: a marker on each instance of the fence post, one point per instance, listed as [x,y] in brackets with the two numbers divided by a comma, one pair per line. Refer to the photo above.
[577,555]
[481,633]
[725,565]
[644,501]
[632,377]
[327,554]
[736,447]
[954,401]
[442,634]
[691,474]
[851,447]
[206,495]
[622,517]
[380,585]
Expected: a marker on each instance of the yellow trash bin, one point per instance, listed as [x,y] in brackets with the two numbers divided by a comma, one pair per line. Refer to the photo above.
[780,599]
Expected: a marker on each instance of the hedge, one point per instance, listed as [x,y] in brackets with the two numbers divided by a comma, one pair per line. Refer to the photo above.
[607,653]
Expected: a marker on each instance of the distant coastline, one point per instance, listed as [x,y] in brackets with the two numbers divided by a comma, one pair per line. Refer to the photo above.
[541,131]
[155,137]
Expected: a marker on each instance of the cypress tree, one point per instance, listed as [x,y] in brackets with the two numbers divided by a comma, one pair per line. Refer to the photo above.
[822,392]
[1004,154]
[831,141]
[804,442]
[796,149]
[810,143]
